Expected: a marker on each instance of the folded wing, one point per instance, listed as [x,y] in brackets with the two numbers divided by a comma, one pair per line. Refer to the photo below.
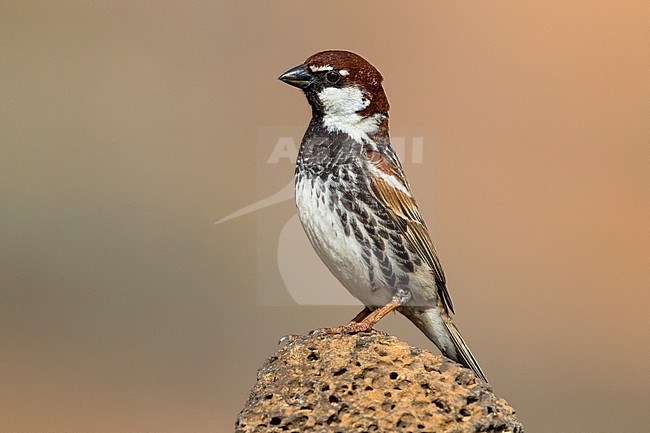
[392,191]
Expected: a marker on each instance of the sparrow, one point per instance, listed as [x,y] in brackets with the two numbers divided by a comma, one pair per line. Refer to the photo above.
[357,208]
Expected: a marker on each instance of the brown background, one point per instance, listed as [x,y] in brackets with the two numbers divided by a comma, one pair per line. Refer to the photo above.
[128,128]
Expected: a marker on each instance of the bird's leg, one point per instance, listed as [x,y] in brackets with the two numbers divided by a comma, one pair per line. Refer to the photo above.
[358,318]
[368,319]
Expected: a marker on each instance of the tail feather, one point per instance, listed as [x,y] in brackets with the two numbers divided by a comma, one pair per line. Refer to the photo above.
[465,356]
[444,333]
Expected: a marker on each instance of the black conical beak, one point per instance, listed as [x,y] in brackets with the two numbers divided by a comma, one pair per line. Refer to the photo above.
[300,77]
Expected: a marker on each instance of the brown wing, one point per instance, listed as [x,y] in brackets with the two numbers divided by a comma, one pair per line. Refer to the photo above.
[392,191]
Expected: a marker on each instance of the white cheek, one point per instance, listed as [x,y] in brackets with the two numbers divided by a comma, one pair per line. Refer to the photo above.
[347,100]
[341,108]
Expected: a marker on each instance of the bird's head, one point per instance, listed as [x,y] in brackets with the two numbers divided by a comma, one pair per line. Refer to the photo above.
[342,87]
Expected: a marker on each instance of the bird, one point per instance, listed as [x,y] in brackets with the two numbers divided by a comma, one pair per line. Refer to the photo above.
[357,208]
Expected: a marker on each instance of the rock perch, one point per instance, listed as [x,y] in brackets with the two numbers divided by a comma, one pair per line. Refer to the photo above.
[369,382]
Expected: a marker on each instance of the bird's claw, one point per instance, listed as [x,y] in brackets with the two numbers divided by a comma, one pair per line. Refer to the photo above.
[350,328]
[288,338]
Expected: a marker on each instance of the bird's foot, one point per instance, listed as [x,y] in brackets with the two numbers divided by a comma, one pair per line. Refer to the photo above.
[288,338]
[350,328]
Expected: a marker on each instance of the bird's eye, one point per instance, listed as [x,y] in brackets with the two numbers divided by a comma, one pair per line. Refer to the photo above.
[333,77]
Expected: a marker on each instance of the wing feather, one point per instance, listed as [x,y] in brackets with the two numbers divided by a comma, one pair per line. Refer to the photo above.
[392,191]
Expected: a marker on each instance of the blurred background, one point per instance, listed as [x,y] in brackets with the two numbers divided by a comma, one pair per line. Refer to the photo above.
[128,128]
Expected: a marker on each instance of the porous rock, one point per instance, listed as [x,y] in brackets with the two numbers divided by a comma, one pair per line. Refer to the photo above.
[369,382]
